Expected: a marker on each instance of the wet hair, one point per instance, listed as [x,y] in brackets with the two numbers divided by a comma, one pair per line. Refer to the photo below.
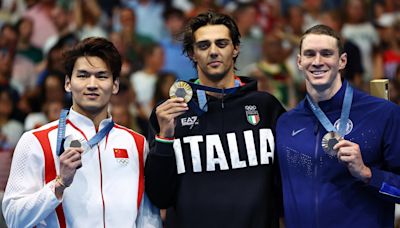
[94,47]
[208,18]
[323,30]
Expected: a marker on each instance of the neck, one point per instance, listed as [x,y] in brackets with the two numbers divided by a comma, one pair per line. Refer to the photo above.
[228,81]
[325,92]
[95,117]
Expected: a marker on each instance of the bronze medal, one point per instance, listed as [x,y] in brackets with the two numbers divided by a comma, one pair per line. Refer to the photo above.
[181,89]
[329,140]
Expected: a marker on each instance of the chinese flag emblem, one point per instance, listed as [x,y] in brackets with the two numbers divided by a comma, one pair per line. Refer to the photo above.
[120,153]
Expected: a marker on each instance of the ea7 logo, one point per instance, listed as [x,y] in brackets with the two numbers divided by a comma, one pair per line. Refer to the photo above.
[189,121]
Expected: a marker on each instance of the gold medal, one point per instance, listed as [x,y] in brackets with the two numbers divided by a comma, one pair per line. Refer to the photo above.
[181,89]
[329,140]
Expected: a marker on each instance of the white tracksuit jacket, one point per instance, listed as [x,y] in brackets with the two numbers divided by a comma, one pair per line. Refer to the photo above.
[107,190]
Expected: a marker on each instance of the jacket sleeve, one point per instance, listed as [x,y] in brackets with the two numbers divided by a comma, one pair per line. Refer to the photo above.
[386,177]
[148,215]
[27,200]
[160,169]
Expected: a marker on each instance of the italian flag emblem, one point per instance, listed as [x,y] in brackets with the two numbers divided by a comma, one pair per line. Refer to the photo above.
[252,114]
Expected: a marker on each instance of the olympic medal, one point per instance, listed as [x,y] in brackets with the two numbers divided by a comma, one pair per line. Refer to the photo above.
[181,89]
[71,141]
[329,140]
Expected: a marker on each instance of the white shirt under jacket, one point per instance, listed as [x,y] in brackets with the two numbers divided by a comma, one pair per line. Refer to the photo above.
[106,191]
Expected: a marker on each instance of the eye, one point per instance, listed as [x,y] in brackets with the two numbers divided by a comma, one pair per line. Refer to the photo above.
[83,75]
[102,75]
[327,53]
[203,45]
[309,53]
[222,43]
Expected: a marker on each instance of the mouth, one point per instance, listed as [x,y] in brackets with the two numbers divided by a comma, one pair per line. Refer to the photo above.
[318,72]
[91,95]
[214,63]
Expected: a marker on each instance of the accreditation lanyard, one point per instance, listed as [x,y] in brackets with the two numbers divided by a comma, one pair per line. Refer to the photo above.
[201,94]
[92,142]
[344,116]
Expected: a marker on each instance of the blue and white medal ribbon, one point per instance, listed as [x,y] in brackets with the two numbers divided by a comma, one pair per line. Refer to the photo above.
[90,144]
[334,135]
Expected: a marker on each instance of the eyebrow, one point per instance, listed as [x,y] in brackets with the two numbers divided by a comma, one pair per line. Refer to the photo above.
[221,39]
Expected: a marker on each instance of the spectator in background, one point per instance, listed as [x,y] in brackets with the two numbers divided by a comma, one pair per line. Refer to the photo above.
[149,18]
[133,42]
[50,98]
[388,58]
[164,82]
[144,80]
[272,72]
[126,96]
[43,27]
[24,46]
[291,32]
[62,18]
[87,15]
[175,60]
[361,32]
[245,16]
[10,129]
[354,68]
[394,88]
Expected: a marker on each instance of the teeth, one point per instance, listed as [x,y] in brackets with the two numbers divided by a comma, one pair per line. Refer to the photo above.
[318,72]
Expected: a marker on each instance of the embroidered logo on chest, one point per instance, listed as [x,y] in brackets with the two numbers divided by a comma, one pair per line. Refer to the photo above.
[189,121]
[349,125]
[121,156]
[252,115]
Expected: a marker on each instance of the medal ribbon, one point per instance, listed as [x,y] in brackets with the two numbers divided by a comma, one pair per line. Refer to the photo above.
[92,142]
[201,94]
[344,116]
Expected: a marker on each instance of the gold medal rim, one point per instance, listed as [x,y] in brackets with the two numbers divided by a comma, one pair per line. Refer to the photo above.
[185,86]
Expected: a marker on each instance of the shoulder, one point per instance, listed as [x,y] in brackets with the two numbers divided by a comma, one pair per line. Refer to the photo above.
[124,130]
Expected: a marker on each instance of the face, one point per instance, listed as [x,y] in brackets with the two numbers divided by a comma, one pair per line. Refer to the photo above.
[213,52]
[320,61]
[92,85]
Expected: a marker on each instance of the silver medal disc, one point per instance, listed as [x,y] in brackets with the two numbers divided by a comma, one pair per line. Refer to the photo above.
[75,142]
[329,140]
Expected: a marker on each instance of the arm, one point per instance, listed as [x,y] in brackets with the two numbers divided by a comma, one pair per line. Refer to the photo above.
[160,168]
[27,200]
[385,178]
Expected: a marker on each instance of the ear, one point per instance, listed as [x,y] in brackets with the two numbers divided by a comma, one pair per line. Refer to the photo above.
[115,86]
[299,62]
[236,51]
[342,61]
[67,84]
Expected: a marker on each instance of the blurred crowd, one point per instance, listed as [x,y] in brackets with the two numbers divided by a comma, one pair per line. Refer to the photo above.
[147,33]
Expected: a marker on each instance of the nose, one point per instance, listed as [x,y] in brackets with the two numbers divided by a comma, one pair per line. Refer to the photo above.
[213,51]
[317,60]
[92,82]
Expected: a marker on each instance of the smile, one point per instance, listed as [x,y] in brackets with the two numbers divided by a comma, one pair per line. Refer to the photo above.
[318,72]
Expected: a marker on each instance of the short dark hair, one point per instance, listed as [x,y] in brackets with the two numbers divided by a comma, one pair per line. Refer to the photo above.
[323,30]
[208,18]
[94,47]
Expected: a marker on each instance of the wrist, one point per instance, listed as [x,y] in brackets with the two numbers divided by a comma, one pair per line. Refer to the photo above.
[366,175]
[60,183]
[163,139]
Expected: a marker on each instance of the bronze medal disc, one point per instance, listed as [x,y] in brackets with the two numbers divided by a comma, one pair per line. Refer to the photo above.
[329,141]
[181,89]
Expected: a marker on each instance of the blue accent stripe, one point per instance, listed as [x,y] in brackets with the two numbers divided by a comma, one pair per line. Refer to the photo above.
[390,190]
